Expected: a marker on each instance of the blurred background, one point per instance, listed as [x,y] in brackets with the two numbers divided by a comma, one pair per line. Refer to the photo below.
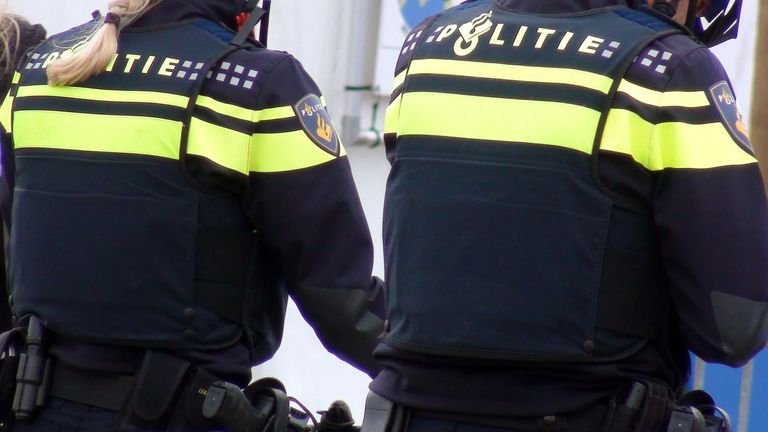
[350,48]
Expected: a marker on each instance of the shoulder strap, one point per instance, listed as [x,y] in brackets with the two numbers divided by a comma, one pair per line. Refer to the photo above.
[642,315]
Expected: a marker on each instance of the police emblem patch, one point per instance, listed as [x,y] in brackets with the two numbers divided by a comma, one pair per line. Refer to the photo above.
[317,123]
[722,97]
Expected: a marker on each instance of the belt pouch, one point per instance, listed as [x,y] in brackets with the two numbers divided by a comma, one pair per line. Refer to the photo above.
[158,386]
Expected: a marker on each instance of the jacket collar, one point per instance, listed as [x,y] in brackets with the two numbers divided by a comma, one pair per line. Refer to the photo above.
[169,11]
[557,6]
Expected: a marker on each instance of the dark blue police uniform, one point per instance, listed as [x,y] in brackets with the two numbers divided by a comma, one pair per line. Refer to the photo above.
[573,204]
[174,202]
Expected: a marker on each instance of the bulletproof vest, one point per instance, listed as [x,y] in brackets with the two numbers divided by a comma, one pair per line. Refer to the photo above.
[112,239]
[500,240]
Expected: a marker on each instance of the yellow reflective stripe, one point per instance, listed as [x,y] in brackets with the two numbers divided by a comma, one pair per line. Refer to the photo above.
[223,146]
[5,112]
[322,101]
[287,151]
[485,118]
[274,114]
[97,133]
[16,78]
[225,108]
[400,79]
[647,96]
[673,144]
[391,116]
[104,95]
[508,72]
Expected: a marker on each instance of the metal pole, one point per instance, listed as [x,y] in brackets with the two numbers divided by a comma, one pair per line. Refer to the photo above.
[699,370]
[747,374]
[758,123]
[361,64]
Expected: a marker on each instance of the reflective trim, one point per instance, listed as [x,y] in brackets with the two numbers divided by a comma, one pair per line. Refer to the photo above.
[400,78]
[508,72]
[5,113]
[673,144]
[507,120]
[287,151]
[391,115]
[104,95]
[220,145]
[274,114]
[97,133]
[226,109]
[647,96]
[16,78]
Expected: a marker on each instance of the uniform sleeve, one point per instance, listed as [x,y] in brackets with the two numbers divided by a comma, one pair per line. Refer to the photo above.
[712,218]
[303,201]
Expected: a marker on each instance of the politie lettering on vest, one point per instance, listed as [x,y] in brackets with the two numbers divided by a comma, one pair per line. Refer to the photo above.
[175,182]
[586,156]
[470,35]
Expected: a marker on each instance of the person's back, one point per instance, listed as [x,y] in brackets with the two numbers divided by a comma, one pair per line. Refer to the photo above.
[173,201]
[572,200]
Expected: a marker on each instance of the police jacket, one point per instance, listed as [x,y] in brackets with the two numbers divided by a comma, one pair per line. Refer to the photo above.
[176,199]
[574,201]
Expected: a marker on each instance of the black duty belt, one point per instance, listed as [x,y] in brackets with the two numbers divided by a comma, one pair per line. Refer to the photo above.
[100,389]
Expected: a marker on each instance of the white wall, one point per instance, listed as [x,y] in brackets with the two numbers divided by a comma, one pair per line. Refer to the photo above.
[317,32]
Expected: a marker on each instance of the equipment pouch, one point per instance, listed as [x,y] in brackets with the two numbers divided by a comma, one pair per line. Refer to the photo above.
[158,385]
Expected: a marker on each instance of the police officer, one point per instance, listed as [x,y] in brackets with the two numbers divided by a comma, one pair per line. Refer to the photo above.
[574,203]
[17,35]
[174,183]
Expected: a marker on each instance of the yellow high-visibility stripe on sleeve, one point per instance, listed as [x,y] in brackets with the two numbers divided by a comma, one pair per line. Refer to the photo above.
[672,144]
[220,145]
[399,79]
[278,113]
[496,119]
[97,133]
[391,115]
[289,151]
[226,109]
[684,99]
[546,75]
[5,113]
[7,106]
[101,95]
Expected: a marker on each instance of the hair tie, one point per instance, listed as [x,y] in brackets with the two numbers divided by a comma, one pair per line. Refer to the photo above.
[112,18]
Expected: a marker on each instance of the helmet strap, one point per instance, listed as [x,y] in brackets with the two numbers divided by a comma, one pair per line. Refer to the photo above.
[690,20]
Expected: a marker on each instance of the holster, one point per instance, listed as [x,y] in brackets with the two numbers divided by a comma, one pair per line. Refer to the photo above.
[172,395]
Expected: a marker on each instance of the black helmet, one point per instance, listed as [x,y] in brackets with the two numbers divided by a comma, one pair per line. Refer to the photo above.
[717,23]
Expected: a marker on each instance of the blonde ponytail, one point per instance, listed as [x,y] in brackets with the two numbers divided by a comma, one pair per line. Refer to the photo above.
[10,34]
[93,57]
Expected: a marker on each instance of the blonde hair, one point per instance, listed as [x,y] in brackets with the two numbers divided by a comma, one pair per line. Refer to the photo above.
[92,57]
[10,36]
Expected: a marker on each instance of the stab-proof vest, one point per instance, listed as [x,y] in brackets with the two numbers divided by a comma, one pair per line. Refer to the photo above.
[500,240]
[112,239]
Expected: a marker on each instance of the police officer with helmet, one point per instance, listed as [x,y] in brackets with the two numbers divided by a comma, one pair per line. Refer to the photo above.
[574,204]
[175,181]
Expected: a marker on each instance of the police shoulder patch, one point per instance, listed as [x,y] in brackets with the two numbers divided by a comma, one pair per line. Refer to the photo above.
[317,123]
[723,99]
